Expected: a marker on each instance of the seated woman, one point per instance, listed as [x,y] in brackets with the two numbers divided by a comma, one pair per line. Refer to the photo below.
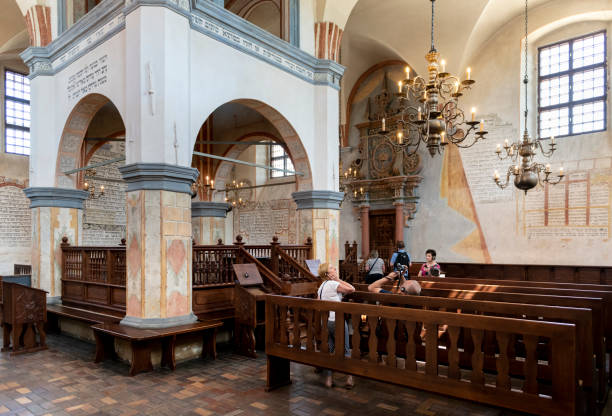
[375,266]
[332,289]
[427,269]
[401,286]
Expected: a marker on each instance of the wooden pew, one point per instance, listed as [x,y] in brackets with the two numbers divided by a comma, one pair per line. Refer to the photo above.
[581,317]
[532,395]
[605,295]
[468,280]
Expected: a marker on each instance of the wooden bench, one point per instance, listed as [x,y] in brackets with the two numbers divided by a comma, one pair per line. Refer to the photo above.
[140,340]
[54,312]
[581,317]
[554,397]
[523,283]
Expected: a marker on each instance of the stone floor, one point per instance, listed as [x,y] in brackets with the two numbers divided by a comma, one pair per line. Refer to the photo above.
[64,381]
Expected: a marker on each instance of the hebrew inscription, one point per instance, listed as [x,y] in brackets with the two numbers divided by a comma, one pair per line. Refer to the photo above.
[259,221]
[578,207]
[88,78]
[15,218]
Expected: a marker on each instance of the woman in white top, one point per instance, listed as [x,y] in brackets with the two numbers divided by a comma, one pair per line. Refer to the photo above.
[375,266]
[332,289]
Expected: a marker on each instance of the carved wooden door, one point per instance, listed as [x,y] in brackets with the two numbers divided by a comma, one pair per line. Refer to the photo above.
[382,233]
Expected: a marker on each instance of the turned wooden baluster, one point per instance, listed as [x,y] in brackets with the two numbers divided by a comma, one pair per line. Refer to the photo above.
[356,339]
[373,341]
[411,364]
[324,332]
[477,357]
[391,359]
[502,362]
[431,349]
[453,353]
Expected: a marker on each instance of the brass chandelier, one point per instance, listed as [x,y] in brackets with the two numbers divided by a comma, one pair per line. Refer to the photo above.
[528,173]
[437,119]
[91,187]
[233,195]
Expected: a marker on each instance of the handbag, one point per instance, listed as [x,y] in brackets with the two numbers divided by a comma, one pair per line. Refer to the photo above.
[372,268]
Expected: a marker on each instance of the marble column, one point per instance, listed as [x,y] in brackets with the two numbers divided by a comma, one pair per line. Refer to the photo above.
[364,210]
[319,216]
[159,253]
[208,221]
[399,221]
[56,213]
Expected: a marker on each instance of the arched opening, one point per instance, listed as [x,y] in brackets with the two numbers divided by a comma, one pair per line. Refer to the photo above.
[251,137]
[92,149]
[266,15]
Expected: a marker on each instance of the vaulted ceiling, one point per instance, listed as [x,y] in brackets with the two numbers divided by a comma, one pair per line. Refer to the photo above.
[13,32]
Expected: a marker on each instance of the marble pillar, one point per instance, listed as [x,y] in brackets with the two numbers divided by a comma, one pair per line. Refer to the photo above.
[364,211]
[319,216]
[159,236]
[208,221]
[399,221]
[56,213]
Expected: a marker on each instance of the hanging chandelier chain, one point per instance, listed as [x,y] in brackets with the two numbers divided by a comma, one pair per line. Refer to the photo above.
[433,47]
[526,78]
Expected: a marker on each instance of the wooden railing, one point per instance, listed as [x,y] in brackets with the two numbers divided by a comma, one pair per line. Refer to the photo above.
[460,378]
[94,264]
[289,268]
[213,265]
[94,276]
[21,269]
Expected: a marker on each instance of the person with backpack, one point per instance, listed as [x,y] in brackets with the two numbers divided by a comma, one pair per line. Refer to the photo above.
[400,258]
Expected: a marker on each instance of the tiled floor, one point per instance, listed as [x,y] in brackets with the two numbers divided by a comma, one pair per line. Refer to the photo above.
[65,381]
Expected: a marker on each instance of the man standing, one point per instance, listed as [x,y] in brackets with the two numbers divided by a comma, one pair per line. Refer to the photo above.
[400,257]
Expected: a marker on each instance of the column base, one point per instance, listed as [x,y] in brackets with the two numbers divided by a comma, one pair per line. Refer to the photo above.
[159,322]
[54,300]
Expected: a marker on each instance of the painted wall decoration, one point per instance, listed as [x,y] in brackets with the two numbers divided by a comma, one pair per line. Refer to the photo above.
[439,208]
[104,219]
[15,225]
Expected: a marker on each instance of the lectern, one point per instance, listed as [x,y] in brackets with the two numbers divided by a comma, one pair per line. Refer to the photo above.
[24,312]
[249,299]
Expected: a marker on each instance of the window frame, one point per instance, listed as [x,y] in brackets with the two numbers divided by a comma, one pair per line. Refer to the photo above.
[570,104]
[5,124]
[285,157]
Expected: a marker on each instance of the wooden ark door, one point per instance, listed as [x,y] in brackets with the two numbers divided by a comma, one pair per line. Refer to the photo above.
[382,233]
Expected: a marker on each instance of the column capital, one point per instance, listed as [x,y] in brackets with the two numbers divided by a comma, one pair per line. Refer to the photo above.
[56,197]
[159,176]
[318,199]
[210,209]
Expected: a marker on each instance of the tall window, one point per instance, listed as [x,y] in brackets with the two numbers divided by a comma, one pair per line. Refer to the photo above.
[572,86]
[16,113]
[279,159]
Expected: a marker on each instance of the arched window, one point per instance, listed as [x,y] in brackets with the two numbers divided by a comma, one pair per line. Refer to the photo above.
[281,160]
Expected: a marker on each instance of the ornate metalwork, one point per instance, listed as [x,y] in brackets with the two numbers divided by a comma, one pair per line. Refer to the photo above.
[528,173]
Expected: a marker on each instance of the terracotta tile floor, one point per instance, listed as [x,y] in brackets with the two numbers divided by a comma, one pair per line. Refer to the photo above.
[65,381]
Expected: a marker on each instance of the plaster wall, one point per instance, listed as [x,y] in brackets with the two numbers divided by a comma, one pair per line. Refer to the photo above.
[461,212]
[55,97]
[15,218]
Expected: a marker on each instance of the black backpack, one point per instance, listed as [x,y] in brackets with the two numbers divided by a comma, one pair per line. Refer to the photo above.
[401,259]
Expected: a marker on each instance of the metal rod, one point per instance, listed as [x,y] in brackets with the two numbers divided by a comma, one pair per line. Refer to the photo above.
[110,139]
[248,143]
[256,186]
[95,165]
[242,162]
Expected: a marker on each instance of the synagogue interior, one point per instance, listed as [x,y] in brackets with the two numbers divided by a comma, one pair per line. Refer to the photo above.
[304,207]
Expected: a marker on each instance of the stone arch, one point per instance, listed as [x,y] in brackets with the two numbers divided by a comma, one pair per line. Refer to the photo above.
[69,154]
[288,137]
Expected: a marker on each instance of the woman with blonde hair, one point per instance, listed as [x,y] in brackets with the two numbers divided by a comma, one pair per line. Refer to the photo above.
[332,289]
[375,267]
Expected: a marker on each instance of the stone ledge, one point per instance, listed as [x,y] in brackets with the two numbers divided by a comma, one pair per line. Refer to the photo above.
[210,209]
[158,176]
[159,322]
[56,197]
[318,199]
